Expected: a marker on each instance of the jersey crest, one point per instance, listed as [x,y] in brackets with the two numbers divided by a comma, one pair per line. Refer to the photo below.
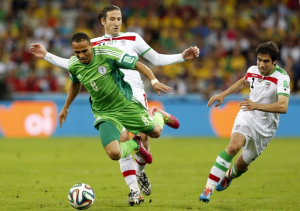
[102,69]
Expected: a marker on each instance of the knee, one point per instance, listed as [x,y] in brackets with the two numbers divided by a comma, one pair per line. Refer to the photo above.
[114,154]
[155,133]
[232,149]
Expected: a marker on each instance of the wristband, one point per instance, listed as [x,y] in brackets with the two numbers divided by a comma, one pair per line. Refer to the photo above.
[154,81]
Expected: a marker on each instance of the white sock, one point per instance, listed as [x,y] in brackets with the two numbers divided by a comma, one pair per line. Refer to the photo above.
[140,163]
[127,167]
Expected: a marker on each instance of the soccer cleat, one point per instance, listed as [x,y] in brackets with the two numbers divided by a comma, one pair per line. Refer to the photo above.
[144,183]
[169,119]
[141,149]
[205,196]
[223,184]
[135,197]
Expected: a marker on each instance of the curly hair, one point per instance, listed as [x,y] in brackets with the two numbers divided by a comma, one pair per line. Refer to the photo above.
[268,48]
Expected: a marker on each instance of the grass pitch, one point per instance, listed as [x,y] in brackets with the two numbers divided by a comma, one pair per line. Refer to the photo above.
[37,174]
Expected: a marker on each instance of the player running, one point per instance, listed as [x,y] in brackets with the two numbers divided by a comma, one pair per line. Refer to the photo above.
[112,101]
[134,45]
[257,121]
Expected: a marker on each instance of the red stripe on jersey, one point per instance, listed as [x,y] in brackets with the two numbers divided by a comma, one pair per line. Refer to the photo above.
[131,38]
[272,79]
[267,78]
[128,173]
[253,75]
[214,178]
[141,164]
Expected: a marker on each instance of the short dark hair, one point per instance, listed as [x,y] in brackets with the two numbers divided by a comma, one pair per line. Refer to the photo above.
[78,37]
[268,48]
[107,9]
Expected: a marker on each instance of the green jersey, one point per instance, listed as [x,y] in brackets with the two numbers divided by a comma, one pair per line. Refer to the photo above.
[103,79]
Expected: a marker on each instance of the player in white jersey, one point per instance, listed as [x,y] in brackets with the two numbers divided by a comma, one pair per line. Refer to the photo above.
[134,45]
[257,121]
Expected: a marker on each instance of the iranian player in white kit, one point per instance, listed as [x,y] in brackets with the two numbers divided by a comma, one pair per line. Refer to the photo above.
[257,121]
[134,45]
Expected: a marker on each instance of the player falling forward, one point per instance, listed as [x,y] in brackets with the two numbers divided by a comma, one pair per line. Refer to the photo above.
[112,102]
[257,121]
[111,19]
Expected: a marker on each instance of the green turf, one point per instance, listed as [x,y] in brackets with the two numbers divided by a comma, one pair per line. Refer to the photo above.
[36,174]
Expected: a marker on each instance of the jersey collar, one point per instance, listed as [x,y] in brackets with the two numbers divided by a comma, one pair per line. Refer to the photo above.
[110,36]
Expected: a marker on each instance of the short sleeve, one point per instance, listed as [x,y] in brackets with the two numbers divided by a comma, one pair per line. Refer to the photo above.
[73,78]
[283,86]
[127,62]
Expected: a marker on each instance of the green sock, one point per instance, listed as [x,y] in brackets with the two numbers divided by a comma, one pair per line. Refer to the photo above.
[158,119]
[127,147]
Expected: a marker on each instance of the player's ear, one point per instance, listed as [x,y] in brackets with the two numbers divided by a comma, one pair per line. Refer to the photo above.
[102,21]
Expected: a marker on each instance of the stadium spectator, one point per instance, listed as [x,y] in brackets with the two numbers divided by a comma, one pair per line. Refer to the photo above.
[167,26]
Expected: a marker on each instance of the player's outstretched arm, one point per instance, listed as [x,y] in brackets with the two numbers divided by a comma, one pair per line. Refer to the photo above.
[166,59]
[40,51]
[232,89]
[74,89]
[157,86]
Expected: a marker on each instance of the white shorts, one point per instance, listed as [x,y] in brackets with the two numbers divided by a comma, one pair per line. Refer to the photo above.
[255,142]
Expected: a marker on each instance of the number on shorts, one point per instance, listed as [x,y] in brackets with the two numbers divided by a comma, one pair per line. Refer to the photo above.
[145,120]
[94,86]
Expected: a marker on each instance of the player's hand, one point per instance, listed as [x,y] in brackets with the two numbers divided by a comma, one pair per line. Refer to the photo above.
[248,105]
[62,116]
[219,98]
[38,50]
[161,87]
[190,53]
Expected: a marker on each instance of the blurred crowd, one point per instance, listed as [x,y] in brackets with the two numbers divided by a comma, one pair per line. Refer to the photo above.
[226,31]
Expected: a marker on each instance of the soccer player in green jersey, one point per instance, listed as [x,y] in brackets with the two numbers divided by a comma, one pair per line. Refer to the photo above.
[112,102]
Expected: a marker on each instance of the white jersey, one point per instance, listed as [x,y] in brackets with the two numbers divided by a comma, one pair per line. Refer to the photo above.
[133,45]
[265,90]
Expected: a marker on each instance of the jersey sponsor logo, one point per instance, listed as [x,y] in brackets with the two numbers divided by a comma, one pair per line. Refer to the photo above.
[128,59]
[102,69]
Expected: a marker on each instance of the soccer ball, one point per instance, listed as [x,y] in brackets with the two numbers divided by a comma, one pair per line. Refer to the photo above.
[81,196]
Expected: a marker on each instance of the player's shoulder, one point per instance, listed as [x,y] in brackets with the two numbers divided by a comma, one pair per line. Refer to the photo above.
[253,69]
[280,73]
[97,39]
[72,62]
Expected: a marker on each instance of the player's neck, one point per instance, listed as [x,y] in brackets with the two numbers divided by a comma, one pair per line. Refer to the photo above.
[110,36]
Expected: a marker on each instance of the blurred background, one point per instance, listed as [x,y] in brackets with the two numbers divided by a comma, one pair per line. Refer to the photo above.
[226,31]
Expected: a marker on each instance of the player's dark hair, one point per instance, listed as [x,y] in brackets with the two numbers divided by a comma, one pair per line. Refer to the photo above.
[107,9]
[268,48]
[78,37]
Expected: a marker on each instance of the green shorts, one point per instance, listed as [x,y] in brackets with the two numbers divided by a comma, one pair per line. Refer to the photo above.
[133,117]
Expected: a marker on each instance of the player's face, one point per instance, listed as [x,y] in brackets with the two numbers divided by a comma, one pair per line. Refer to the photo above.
[112,23]
[265,64]
[83,51]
